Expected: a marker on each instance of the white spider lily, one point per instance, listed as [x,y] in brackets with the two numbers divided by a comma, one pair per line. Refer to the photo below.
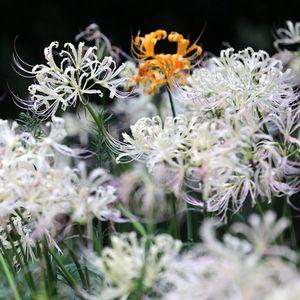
[157,142]
[227,160]
[79,73]
[246,80]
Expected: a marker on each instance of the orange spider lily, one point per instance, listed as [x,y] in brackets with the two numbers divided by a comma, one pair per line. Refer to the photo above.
[160,68]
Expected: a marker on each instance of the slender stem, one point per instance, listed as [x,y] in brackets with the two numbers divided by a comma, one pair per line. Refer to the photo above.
[89,232]
[171,101]
[52,280]
[27,275]
[189,222]
[259,208]
[9,277]
[100,236]
[138,226]
[273,200]
[87,105]
[292,229]
[284,212]
[9,262]
[189,216]
[174,219]
[71,280]
[205,213]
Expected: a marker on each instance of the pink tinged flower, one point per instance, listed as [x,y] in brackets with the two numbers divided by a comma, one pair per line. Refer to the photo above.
[246,80]
[287,122]
[275,173]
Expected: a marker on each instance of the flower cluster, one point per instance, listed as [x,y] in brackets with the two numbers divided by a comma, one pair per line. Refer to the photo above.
[234,142]
[32,181]
[237,139]
[226,159]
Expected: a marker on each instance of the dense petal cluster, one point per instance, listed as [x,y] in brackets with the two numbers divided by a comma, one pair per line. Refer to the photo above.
[79,73]
[249,81]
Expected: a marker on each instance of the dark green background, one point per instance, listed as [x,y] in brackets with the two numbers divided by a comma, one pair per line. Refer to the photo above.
[37,23]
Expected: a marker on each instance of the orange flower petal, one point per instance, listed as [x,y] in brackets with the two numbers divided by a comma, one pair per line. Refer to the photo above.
[158,65]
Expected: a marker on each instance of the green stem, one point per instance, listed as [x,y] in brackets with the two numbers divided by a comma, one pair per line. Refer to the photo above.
[205,213]
[99,245]
[174,223]
[9,262]
[69,277]
[52,279]
[21,216]
[259,208]
[292,229]
[273,200]
[9,277]
[137,225]
[284,212]
[189,217]
[92,114]
[27,274]
[171,101]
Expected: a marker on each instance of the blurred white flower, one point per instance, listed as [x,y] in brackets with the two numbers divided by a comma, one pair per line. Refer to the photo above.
[130,264]
[150,190]
[235,268]
[90,198]
[288,36]
[262,234]
[290,59]
[31,180]
[132,109]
